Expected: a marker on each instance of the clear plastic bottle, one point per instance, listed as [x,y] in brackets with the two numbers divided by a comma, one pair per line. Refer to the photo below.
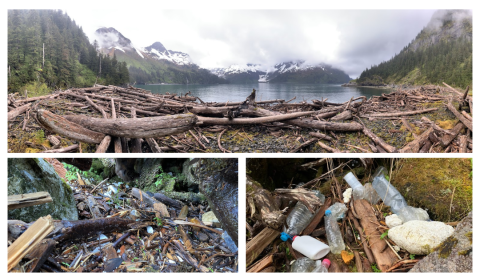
[358,190]
[300,216]
[338,210]
[303,265]
[389,194]
[370,194]
[409,213]
[392,198]
[298,219]
[322,266]
[334,236]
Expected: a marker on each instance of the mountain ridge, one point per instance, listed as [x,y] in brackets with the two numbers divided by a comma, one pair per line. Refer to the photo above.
[441,52]
[154,63]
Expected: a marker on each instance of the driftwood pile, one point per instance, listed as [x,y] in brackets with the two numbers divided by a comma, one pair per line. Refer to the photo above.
[362,228]
[127,117]
[129,231]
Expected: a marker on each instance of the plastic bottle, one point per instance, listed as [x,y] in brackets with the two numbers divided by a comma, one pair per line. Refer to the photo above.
[392,198]
[322,266]
[358,190]
[370,194]
[303,265]
[310,247]
[334,236]
[298,219]
[409,213]
[338,210]
[300,216]
[389,194]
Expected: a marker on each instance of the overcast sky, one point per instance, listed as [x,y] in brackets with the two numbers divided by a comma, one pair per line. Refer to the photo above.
[347,39]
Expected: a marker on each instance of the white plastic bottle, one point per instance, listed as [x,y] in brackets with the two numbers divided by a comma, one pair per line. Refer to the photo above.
[334,236]
[357,187]
[310,247]
[322,266]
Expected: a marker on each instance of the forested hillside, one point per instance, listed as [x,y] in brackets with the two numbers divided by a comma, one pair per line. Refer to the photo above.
[317,75]
[441,52]
[47,49]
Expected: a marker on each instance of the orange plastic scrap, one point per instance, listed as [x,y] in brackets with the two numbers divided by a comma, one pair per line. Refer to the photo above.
[347,256]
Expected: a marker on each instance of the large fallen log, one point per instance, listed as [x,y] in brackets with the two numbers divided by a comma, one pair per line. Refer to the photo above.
[62,126]
[67,230]
[139,127]
[345,115]
[447,138]
[415,145]
[244,121]
[17,111]
[313,122]
[462,118]
[32,99]
[379,141]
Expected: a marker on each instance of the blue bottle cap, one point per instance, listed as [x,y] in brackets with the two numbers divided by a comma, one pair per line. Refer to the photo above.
[284,236]
[328,212]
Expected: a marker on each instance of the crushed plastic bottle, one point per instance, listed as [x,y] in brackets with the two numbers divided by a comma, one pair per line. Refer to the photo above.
[358,190]
[322,266]
[392,198]
[334,236]
[300,216]
[389,194]
[229,242]
[303,265]
[310,247]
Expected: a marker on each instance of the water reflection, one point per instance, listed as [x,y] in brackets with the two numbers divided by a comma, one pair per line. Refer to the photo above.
[267,91]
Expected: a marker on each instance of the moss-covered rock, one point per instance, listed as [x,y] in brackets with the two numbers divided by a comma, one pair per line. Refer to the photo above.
[29,175]
[441,185]
[452,255]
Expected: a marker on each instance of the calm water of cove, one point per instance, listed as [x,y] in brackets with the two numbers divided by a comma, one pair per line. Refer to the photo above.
[267,91]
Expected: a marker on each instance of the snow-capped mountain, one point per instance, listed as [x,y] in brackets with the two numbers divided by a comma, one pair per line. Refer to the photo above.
[292,71]
[238,69]
[154,63]
[159,52]
[240,73]
[110,40]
